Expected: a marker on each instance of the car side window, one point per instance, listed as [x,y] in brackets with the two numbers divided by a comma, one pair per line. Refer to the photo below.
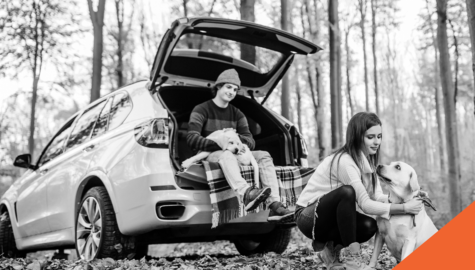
[103,120]
[82,129]
[56,147]
[121,107]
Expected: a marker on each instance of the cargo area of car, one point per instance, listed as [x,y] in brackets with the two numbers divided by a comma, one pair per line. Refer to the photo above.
[269,134]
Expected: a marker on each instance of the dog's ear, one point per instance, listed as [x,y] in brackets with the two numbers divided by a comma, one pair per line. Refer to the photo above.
[413,183]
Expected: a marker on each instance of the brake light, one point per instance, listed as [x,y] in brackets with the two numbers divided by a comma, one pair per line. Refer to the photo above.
[153,133]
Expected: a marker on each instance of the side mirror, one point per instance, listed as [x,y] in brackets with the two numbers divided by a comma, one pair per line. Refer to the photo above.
[24,161]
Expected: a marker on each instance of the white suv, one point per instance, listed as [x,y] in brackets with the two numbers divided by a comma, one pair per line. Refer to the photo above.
[109,182]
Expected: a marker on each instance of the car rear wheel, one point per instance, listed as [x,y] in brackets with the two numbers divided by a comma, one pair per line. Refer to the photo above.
[7,240]
[97,234]
[276,241]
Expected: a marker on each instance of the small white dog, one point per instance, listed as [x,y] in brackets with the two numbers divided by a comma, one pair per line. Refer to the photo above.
[402,233]
[229,140]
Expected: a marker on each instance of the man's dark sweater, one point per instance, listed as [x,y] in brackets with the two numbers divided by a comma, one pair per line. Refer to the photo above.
[207,117]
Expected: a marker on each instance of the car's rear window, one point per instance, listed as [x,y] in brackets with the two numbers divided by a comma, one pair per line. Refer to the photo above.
[219,49]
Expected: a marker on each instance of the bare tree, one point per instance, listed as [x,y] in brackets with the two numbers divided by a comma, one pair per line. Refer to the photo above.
[248,53]
[471,25]
[348,68]
[285,97]
[96,12]
[449,104]
[335,78]
[362,6]
[438,95]
[298,92]
[374,8]
[314,74]
[29,36]
[121,37]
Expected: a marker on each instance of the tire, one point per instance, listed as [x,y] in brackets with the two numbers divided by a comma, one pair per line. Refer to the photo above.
[275,241]
[7,240]
[97,233]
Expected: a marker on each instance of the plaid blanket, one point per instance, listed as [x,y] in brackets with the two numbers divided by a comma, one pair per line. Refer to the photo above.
[225,202]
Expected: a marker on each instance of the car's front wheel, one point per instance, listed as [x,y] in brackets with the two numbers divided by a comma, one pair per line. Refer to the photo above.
[277,241]
[7,240]
[97,234]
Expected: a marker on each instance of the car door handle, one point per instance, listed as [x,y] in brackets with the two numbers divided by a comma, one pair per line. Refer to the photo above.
[89,148]
[43,172]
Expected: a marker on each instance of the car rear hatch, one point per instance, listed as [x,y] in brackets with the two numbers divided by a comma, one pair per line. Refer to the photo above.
[189,54]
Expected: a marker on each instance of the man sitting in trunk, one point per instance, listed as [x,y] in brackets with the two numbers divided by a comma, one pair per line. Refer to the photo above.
[217,114]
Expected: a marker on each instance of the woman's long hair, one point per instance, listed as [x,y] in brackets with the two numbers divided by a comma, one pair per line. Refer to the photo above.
[354,145]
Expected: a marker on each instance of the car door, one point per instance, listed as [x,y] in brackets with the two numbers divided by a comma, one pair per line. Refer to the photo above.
[62,183]
[32,203]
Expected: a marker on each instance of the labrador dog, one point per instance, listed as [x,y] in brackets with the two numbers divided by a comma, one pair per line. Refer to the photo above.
[229,140]
[401,233]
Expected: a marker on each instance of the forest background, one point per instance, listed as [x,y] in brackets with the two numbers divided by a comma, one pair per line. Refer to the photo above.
[408,61]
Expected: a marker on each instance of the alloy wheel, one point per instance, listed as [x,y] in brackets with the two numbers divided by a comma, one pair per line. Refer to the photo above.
[89,229]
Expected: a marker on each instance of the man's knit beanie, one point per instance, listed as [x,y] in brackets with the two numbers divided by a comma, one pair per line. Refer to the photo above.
[229,76]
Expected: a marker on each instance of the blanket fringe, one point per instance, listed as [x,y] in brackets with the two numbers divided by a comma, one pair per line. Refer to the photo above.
[224,216]
[214,220]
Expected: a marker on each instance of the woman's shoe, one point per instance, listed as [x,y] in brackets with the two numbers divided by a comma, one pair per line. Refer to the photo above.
[328,257]
[355,260]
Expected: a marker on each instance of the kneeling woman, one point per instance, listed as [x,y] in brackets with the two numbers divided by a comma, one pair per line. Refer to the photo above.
[326,210]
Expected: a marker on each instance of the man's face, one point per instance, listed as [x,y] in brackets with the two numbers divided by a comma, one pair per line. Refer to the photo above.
[227,92]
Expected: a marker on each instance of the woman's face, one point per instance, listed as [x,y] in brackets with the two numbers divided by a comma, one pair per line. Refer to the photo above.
[227,92]
[372,139]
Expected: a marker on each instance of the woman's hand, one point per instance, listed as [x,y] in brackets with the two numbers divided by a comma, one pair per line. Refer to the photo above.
[413,206]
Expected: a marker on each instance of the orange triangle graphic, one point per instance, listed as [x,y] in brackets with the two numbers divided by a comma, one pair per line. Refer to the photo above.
[452,247]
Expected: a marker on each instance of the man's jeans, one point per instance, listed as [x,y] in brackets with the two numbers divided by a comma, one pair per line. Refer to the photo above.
[232,172]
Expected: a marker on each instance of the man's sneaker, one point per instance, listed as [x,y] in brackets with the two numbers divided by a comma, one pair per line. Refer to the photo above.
[279,214]
[254,196]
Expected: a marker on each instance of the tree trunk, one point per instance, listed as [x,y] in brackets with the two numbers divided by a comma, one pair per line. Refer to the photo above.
[119,8]
[335,95]
[471,25]
[375,60]
[37,63]
[299,100]
[362,7]
[449,105]
[248,52]
[339,82]
[438,99]
[285,97]
[31,139]
[456,47]
[348,67]
[316,93]
[97,19]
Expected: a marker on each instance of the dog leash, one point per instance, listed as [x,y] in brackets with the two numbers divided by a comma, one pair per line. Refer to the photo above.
[426,201]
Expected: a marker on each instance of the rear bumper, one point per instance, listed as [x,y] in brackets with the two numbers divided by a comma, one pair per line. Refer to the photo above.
[197,211]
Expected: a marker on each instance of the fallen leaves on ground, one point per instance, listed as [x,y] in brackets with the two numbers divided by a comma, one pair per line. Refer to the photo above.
[219,255]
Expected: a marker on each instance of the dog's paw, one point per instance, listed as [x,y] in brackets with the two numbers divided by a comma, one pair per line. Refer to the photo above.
[186,164]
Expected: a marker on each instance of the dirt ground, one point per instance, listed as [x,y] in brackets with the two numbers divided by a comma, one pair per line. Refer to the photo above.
[193,256]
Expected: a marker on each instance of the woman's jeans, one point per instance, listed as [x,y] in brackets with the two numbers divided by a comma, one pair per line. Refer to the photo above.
[336,219]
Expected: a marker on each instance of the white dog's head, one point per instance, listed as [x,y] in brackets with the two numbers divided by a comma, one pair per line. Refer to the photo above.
[227,139]
[401,180]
